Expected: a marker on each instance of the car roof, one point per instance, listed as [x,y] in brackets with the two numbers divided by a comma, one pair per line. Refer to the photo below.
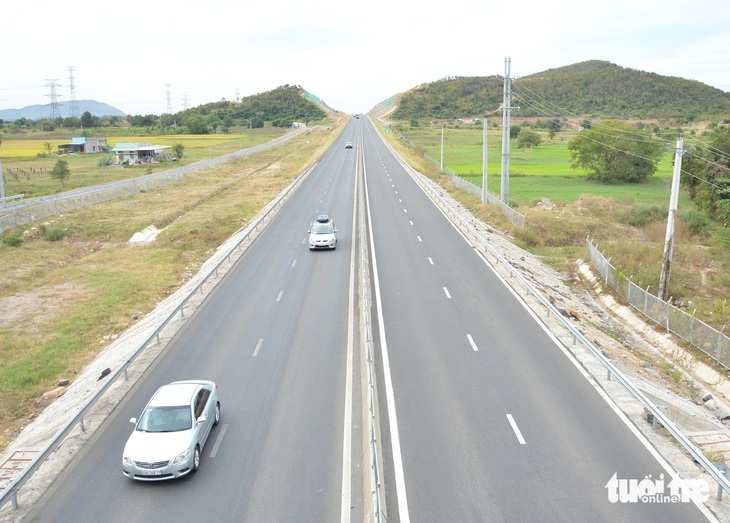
[176,393]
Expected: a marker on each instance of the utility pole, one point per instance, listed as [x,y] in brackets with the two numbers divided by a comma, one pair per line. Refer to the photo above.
[442,149]
[669,239]
[506,110]
[484,164]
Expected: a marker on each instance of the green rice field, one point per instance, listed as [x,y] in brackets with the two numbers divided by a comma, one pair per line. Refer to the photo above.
[541,172]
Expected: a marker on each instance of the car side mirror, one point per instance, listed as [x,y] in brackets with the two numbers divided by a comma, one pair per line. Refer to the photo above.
[133,420]
[202,418]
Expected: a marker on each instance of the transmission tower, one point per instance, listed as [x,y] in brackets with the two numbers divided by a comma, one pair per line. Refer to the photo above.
[73,105]
[169,99]
[55,106]
[185,99]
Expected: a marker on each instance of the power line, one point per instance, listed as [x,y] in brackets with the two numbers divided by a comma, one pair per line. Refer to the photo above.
[169,99]
[543,108]
[54,105]
[73,105]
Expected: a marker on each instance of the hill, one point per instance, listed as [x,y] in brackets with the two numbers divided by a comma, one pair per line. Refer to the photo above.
[283,105]
[594,88]
[41,111]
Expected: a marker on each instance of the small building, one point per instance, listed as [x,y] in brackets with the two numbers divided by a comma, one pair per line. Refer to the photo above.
[83,145]
[140,152]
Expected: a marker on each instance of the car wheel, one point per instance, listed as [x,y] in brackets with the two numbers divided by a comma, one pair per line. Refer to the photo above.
[196,459]
[217,418]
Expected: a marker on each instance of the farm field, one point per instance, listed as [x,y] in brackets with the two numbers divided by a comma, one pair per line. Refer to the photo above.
[30,156]
[537,173]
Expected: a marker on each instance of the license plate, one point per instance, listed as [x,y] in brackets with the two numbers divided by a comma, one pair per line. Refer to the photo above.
[152,472]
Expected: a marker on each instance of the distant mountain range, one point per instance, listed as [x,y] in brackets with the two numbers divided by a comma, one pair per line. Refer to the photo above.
[41,111]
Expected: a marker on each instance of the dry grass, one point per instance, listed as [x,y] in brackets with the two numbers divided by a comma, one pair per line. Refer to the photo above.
[631,235]
[61,302]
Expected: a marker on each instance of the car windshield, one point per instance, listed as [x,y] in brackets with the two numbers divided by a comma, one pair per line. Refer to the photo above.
[322,228]
[165,419]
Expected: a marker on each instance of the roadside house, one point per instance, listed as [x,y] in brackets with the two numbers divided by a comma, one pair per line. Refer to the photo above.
[140,152]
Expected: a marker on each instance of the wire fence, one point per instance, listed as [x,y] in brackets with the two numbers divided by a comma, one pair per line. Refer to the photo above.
[16,214]
[513,216]
[708,339]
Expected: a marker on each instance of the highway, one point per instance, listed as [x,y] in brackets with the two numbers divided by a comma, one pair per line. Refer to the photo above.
[274,336]
[483,416]
[492,421]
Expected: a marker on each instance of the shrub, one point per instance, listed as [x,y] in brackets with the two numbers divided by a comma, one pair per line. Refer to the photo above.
[643,216]
[54,234]
[13,241]
[697,221]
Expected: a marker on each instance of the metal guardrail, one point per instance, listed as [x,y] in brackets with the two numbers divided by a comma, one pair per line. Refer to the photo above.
[11,491]
[28,211]
[435,193]
[699,334]
[366,304]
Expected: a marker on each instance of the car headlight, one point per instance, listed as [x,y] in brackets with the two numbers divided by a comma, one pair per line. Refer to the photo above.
[181,457]
[127,461]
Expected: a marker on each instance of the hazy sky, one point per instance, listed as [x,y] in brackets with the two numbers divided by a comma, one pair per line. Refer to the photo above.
[351,54]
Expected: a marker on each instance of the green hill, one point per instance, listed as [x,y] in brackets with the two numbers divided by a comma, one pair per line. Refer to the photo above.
[595,89]
[280,106]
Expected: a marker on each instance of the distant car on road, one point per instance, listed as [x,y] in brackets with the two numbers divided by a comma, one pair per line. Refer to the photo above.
[170,434]
[348,145]
[323,234]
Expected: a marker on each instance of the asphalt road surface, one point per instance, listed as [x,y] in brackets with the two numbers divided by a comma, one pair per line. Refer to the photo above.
[483,416]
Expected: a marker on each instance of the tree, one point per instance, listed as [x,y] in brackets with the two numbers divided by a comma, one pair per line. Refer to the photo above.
[60,171]
[86,121]
[178,149]
[614,152]
[48,148]
[706,176]
[196,124]
[528,139]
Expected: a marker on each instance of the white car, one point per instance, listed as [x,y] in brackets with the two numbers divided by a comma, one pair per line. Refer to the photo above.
[170,434]
[348,145]
[323,234]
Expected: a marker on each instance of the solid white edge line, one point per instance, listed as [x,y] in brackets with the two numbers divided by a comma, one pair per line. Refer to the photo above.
[597,387]
[640,436]
[516,429]
[400,482]
[346,498]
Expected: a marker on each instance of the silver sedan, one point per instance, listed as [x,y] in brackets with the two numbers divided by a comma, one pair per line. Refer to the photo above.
[170,434]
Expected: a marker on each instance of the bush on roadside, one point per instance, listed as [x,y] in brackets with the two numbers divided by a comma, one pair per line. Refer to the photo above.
[697,222]
[13,241]
[54,234]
